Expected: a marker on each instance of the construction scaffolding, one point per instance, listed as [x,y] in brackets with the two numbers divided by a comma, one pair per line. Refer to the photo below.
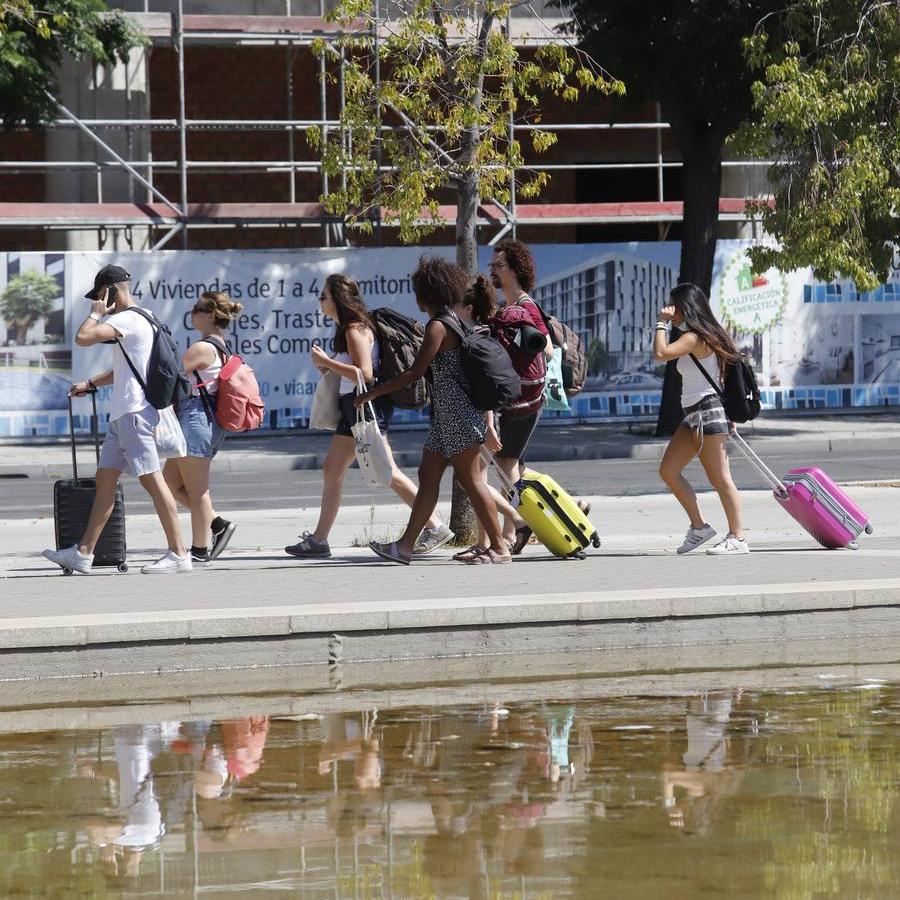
[166,219]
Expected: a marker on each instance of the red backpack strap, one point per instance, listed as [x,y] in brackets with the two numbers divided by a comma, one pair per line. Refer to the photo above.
[220,345]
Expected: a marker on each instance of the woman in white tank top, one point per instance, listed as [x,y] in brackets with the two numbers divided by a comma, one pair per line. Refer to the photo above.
[188,477]
[703,351]
[357,352]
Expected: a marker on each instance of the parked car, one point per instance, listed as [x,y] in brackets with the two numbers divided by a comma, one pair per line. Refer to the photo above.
[635,379]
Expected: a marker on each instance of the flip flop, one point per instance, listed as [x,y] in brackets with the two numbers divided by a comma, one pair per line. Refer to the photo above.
[523,536]
[389,552]
[466,555]
[584,507]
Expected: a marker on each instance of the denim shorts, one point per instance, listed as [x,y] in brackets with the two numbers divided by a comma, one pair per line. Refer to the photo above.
[203,437]
[130,444]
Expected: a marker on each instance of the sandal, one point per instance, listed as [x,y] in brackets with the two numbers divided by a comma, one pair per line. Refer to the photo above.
[489,557]
[466,555]
[389,552]
[523,536]
[584,507]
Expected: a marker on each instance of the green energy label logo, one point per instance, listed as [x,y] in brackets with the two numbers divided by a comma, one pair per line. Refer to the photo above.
[751,302]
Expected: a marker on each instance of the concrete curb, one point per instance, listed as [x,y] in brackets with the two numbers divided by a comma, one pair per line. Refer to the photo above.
[262,461]
[434,616]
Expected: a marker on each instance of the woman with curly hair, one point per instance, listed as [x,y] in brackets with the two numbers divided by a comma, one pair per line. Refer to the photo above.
[457,429]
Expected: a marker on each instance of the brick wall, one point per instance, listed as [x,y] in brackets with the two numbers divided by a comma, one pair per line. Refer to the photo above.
[250,83]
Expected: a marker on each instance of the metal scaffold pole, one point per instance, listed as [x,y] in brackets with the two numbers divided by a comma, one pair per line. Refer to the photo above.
[323,103]
[377,107]
[290,54]
[182,131]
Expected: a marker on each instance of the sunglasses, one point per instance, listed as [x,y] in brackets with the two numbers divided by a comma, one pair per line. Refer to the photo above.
[198,309]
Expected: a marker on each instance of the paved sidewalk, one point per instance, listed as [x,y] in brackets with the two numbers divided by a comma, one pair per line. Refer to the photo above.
[630,586]
[807,434]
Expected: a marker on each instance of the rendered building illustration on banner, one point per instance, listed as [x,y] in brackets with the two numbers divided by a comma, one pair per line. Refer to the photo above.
[814,345]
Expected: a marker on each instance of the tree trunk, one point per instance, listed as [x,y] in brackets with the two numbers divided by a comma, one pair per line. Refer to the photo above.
[463,522]
[700,226]
[701,152]
[467,202]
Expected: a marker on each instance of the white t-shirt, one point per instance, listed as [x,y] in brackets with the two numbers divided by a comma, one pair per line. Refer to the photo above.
[137,339]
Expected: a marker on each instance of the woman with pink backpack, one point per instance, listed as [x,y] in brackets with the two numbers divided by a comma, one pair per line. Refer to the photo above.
[188,476]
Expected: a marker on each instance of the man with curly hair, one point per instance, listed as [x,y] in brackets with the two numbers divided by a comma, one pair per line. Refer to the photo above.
[512,272]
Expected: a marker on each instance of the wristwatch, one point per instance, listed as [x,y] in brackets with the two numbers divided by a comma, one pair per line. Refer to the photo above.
[94,316]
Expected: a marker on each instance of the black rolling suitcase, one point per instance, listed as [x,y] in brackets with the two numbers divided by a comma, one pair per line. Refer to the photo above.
[72,501]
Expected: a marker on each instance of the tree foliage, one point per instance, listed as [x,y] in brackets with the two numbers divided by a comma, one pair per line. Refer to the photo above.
[27,299]
[597,357]
[828,99]
[450,78]
[34,38]
[686,55]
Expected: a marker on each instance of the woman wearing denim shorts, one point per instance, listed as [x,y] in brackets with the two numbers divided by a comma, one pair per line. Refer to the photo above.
[188,477]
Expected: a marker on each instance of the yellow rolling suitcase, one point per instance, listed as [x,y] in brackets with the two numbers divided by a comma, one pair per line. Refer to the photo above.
[552,514]
[554,517]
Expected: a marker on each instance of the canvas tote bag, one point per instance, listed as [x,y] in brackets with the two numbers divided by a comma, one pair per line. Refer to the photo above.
[325,413]
[372,451]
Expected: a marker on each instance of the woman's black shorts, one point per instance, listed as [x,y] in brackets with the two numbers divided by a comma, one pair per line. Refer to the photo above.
[384,412]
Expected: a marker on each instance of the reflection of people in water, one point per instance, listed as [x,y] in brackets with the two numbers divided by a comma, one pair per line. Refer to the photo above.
[708,775]
[352,752]
[138,824]
[233,751]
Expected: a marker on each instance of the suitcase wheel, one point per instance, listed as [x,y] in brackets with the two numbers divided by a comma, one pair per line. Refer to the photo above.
[595,539]
[869,528]
[122,567]
[853,545]
[66,571]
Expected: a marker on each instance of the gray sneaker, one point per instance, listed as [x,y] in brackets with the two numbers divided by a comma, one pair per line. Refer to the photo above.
[695,537]
[309,547]
[432,538]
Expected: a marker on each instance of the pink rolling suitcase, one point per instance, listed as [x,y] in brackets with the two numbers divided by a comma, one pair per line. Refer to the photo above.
[815,501]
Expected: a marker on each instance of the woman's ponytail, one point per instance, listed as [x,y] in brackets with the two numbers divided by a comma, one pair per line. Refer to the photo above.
[481,297]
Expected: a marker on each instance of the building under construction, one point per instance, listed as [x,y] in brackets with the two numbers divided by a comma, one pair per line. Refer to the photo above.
[199,142]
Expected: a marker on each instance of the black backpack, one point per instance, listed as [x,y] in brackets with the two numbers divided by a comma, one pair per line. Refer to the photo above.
[399,341]
[492,379]
[166,384]
[740,395]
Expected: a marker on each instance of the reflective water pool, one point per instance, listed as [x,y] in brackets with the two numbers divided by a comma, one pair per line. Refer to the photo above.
[782,794]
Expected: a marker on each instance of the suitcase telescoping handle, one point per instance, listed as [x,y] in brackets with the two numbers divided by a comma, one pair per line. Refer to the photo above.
[94,433]
[502,477]
[753,458]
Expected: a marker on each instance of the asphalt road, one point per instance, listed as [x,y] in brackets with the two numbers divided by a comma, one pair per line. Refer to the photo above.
[28,498]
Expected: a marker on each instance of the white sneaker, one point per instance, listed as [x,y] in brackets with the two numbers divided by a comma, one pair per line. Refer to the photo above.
[170,564]
[71,558]
[695,537]
[730,546]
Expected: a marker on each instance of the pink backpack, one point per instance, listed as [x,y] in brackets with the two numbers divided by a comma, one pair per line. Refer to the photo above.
[239,406]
